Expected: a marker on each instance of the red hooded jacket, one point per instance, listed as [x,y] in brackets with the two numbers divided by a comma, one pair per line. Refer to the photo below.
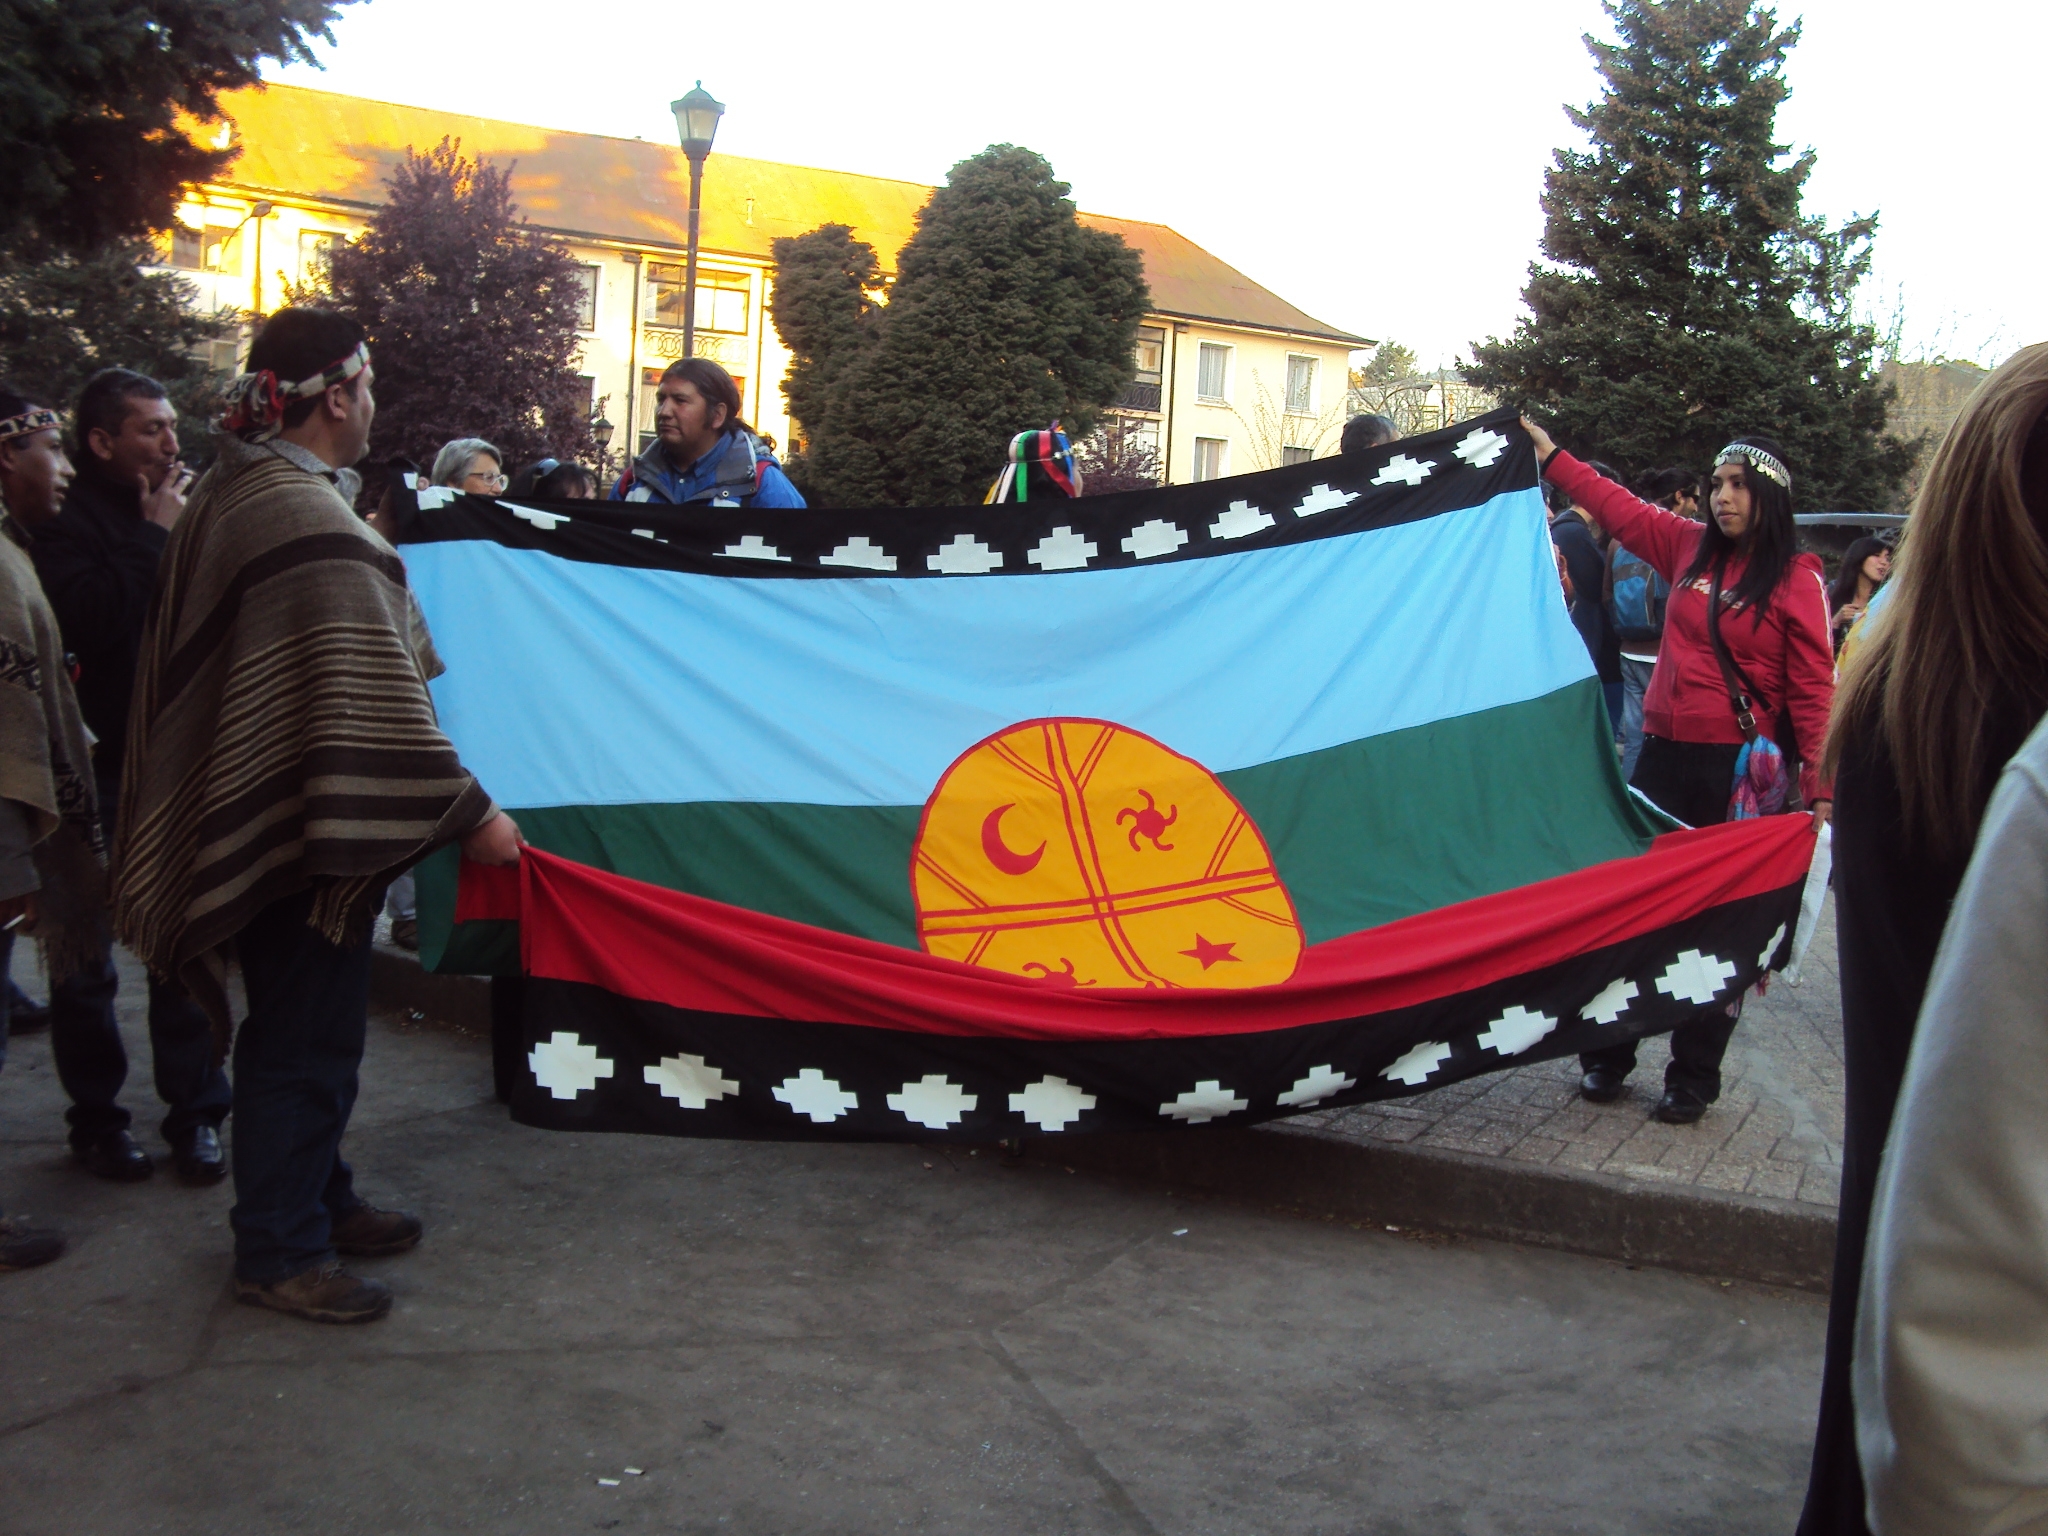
[1787,656]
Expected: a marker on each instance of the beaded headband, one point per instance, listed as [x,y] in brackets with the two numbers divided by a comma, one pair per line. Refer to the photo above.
[257,401]
[36,418]
[1768,465]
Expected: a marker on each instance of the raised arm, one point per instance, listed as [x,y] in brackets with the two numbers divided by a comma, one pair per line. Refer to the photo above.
[1664,539]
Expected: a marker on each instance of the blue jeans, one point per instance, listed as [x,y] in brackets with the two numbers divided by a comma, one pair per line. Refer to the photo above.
[92,1063]
[1635,684]
[296,1060]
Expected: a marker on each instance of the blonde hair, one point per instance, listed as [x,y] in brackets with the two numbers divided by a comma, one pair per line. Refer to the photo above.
[1963,640]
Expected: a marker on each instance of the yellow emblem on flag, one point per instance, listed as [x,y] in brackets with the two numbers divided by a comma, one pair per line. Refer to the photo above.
[1085,854]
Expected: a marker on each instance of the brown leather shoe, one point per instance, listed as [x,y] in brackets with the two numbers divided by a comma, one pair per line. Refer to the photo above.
[326,1293]
[368,1233]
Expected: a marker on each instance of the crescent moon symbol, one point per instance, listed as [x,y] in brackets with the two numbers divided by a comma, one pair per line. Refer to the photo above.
[999,853]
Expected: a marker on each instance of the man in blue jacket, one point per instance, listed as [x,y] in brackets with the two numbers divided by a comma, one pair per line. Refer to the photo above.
[703,453]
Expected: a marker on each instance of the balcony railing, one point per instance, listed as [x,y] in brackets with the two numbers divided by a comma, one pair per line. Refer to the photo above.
[1138,397]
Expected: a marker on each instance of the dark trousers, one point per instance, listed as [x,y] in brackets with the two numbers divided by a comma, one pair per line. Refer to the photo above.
[296,1060]
[1690,780]
[92,1063]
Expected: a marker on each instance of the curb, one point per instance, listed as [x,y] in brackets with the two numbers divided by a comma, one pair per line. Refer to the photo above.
[1680,1227]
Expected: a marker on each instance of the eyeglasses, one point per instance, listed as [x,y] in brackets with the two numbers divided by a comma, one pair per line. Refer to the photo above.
[484,479]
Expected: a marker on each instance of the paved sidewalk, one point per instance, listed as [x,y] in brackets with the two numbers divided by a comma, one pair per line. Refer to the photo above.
[1776,1131]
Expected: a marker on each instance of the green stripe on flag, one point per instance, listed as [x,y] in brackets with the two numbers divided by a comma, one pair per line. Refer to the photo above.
[1362,833]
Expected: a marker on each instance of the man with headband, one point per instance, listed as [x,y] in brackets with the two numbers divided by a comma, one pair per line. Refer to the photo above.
[283,764]
[52,881]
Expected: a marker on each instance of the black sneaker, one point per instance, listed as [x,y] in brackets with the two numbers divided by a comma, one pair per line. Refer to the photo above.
[1680,1106]
[326,1293]
[24,1247]
[113,1155]
[1601,1086]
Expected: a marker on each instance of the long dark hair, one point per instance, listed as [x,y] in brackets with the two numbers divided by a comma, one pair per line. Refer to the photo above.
[1770,544]
[1843,588]
[1955,674]
[715,385]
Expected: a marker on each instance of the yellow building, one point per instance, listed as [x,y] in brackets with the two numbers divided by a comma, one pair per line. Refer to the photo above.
[1231,377]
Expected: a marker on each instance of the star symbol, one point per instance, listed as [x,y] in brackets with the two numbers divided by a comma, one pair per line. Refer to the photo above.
[1209,953]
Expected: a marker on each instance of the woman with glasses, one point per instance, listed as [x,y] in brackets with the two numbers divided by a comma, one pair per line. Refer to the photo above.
[470,464]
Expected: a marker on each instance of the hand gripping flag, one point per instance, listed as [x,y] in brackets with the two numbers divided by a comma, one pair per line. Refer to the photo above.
[1198,805]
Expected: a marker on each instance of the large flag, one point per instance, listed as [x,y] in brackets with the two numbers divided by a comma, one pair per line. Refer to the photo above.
[1216,802]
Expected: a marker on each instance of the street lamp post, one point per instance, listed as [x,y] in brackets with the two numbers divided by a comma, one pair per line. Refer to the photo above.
[697,115]
[601,434]
[259,213]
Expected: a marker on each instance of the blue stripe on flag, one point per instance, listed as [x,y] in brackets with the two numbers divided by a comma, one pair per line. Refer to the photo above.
[572,683]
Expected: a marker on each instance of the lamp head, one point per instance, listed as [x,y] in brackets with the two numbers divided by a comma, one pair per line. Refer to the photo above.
[697,115]
[601,432]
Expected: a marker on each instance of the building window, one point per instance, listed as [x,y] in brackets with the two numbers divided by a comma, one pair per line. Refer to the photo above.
[1212,376]
[316,254]
[212,249]
[1209,455]
[1148,371]
[722,298]
[1296,455]
[586,304]
[1301,385]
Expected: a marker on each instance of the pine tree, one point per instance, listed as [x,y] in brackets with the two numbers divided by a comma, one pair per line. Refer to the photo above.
[472,317]
[63,318]
[1687,299]
[91,94]
[1006,314]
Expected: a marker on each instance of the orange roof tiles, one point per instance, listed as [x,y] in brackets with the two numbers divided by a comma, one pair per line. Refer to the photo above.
[326,147]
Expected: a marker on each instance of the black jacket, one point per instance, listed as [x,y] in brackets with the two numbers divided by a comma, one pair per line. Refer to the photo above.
[98,565]
[1588,568]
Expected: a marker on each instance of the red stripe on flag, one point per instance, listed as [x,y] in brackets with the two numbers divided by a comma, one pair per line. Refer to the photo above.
[641,941]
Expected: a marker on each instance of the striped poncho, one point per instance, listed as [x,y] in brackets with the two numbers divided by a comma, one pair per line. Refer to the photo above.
[281,736]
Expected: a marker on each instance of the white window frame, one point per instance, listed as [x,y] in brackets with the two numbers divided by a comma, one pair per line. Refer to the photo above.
[596,271]
[1222,445]
[1314,381]
[1229,369]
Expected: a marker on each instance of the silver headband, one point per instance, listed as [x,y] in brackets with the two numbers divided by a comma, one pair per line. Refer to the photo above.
[1764,464]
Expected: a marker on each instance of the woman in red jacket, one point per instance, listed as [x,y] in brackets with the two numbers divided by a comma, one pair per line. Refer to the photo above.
[1773,630]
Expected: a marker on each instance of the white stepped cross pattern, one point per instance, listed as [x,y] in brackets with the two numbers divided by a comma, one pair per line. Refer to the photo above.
[1207,1100]
[1695,978]
[1401,467]
[754,547]
[964,556]
[1318,1085]
[1157,537]
[1061,550]
[1323,499]
[1415,1066]
[1480,447]
[1240,520]
[1051,1103]
[1611,1001]
[690,1080]
[1516,1030]
[862,554]
[815,1096]
[565,1066]
[932,1101]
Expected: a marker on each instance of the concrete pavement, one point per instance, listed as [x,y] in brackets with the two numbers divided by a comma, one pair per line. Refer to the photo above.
[797,1338]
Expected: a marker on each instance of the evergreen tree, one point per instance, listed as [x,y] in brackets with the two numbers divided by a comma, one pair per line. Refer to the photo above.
[1688,300]
[471,316]
[91,93]
[1006,314]
[63,318]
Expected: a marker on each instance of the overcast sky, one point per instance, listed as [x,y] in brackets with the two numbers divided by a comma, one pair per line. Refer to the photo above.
[1378,166]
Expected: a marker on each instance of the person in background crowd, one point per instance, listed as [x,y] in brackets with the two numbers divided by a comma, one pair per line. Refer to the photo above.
[1772,623]
[1951,1357]
[272,788]
[1636,596]
[1367,431]
[1572,531]
[471,465]
[98,564]
[703,453]
[52,882]
[1866,566]
[1936,700]
[566,482]
[1040,467]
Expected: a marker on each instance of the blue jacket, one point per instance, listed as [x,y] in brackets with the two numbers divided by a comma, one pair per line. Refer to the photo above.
[739,471]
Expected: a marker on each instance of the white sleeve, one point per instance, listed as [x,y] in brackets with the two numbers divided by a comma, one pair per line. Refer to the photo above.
[1951,1370]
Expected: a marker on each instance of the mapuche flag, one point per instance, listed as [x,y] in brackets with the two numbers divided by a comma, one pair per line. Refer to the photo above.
[1210,803]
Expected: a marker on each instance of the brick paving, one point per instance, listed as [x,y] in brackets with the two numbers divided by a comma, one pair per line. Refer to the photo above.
[1776,1130]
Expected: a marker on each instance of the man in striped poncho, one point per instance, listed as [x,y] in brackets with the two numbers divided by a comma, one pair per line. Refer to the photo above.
[284,762]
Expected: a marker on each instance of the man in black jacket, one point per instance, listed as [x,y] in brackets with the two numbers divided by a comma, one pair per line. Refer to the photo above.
[1572,532]
[98,563]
